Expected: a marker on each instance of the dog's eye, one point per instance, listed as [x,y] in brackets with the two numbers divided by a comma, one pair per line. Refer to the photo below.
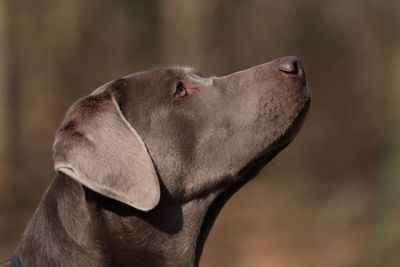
[180,90]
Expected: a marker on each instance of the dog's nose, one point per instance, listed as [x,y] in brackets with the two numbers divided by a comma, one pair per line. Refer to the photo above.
[290,65]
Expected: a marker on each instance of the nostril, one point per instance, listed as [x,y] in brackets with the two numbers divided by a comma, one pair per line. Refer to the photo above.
[289,65]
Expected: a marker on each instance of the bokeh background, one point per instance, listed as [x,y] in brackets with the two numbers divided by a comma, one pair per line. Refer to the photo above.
[331,199]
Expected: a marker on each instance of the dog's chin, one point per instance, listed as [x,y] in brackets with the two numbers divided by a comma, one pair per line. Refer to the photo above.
[254,167]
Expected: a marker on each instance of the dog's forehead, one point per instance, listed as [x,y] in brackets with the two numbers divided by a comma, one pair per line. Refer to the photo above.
[164,72]
[187,70]
[174,72]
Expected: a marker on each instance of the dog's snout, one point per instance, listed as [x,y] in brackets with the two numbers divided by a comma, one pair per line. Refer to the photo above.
[291,65]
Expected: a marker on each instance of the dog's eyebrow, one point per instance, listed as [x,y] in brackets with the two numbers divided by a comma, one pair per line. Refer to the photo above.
[187,69]
[198,73]
[190,70]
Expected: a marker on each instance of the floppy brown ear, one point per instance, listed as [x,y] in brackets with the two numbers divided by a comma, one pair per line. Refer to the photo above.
[97,147]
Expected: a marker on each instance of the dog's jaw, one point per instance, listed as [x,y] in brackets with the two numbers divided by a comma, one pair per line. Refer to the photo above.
[250,171]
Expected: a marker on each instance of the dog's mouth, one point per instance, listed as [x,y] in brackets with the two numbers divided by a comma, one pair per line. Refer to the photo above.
[290,133]
[251,169]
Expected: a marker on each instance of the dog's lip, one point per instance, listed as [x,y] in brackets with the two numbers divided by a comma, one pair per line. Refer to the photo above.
[293,129]
[287,137]
[284,140]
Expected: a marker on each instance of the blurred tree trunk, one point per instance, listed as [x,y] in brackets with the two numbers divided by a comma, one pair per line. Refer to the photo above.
[3,68]
[181,32]
[387,227]
[384,245]
[10,107]
[383,248]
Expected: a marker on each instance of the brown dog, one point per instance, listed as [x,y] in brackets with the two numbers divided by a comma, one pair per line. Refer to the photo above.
[145,163]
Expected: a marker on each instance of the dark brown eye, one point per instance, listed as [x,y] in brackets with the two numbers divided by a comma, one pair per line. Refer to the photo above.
[180,90]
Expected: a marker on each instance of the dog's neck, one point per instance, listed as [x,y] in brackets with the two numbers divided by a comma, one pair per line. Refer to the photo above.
[169,235]
[95,230]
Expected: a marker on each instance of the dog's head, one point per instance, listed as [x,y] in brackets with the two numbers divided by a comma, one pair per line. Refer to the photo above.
[197,135]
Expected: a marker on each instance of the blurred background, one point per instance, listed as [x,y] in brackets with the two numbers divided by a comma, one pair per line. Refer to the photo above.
[331,199]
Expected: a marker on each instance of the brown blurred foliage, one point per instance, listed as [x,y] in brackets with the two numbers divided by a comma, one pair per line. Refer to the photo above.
[331,199]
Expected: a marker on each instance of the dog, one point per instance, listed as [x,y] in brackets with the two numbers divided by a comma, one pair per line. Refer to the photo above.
[145,163]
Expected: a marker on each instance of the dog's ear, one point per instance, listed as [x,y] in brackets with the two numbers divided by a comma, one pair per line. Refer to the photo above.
[96,146]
